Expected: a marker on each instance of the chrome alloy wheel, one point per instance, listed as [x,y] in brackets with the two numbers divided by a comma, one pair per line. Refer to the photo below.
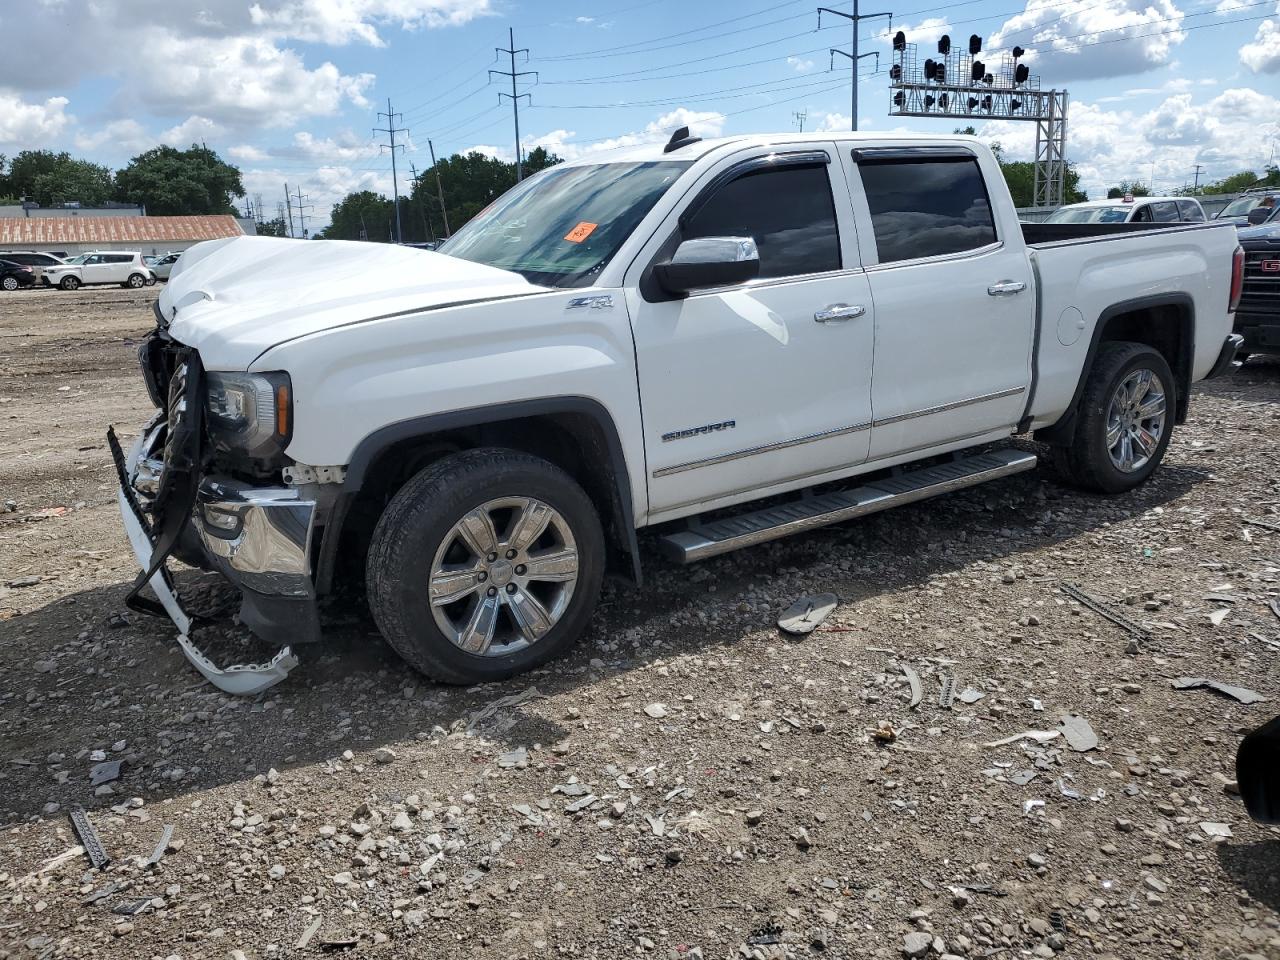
[1136,420]
[503,576]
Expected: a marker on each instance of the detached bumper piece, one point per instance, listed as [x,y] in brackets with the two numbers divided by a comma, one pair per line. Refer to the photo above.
[259,539]
[1227,357]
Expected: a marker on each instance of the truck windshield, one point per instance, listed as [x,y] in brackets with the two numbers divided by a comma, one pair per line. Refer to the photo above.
[1089,215]
[561,227]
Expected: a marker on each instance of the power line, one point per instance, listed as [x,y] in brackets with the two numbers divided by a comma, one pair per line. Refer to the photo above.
[391,130]
[855,19]
[302,208]
[515,97]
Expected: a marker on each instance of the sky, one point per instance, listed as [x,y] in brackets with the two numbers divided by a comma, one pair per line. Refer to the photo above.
[290,90]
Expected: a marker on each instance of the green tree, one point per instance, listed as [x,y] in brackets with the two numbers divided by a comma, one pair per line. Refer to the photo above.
[361,216]
[1244,180]
[1020,176]
[470,183]
[50,178]
[173,182]
[1130,187]
[273,228]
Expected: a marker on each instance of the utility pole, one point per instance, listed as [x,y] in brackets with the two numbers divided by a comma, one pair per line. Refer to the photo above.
[391,130]
[439,190]
[511,51]
[800,117]
[288,202]
[302,217]
[1199,168]
[426,216]
[855,19]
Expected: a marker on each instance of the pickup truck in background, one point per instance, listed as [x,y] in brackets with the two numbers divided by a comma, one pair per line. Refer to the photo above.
[689,338]
[1258,315]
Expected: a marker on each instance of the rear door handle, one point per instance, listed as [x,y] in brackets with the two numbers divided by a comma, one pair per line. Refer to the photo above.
[839,312]
[1006,288]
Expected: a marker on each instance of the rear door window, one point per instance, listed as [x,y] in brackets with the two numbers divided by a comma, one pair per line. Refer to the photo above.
[1165,211]
[789,211]
[928,207]
[1190,211]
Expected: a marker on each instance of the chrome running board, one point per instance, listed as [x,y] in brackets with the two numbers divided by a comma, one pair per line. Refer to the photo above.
[703,540]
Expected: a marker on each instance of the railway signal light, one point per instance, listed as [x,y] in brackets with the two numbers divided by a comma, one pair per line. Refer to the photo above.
[899,98]
[944,44]
[977,71]
[1018,53]
[928,101]
[930,69]
[975,45]
[899,41]
[972,102]
[895,72]
[943,101]
[1020,74]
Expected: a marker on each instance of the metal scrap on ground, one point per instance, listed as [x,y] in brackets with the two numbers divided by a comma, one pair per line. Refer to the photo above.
[1039,736]
[104,772]
[917,691]
[158,853]
[807,613]
[1102,610]
[482,717]
[1239,693]
[1079,734]
[88,837]
[948,693]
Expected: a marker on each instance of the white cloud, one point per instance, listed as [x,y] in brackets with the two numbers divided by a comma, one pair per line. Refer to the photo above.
[1262,54]
[126,136]
[1083,39]
[584,19]
[247,153]
[799,64]
[1228,133]
[1230,6]
[321,188]
[925,33]
[194,129]
[31,124]
[832,122]
[342,21]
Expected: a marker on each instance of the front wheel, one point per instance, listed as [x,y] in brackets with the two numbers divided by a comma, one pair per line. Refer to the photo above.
[135,281]
[486,564]
[1125,420]
[69,283]
[9,283]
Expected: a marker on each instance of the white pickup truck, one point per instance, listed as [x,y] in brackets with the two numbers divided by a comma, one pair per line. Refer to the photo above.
[725,341]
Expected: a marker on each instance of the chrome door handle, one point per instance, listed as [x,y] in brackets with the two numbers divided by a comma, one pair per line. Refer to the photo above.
[1006,288]
[838,313]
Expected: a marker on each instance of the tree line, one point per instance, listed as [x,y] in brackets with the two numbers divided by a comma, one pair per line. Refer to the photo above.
[167,181]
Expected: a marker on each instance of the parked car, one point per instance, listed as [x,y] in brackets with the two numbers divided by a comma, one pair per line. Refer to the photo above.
[1257,319]
[161,266]
[113,266]
[14,276]
[1251,210]
[728,341]
[37,261]
[1131,210]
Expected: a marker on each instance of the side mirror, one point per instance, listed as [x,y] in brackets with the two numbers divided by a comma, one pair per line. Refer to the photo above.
[1258,772]
[709,262]
[1259,215]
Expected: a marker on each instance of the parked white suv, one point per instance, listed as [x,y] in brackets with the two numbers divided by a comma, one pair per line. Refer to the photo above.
[1131,210]
[111,266]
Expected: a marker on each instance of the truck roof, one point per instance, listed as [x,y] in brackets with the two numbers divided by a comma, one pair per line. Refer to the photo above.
[1120,202]
[649,152]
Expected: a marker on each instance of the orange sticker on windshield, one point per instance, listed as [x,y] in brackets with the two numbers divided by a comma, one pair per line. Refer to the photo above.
[581,231]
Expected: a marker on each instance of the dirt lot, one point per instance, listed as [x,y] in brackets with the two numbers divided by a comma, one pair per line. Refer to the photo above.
[689,783]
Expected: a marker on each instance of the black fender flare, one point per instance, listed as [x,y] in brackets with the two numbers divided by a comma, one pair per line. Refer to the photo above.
[1063,432]
[368,449]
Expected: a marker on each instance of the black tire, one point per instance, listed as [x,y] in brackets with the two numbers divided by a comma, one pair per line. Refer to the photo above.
[136,281]
[69,283]
[1087,463]
[9,283]
[419,519]
[151,281]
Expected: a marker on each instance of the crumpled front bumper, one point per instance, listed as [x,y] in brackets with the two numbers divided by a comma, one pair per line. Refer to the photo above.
[258,538]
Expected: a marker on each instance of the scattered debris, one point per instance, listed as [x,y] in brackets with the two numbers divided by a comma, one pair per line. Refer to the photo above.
[884,732]
[1262,523]
[162,846]
[88,838]
[312,929]
[1080,736]
[656,710]
[1103,610]
[917,691]
[1239,693]
[971,695]
[487,717]
[1039,736]
[105,772]
[948,693]
[1216,829]
[807,613]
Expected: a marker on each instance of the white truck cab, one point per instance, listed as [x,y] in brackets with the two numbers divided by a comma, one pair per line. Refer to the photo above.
[683,339]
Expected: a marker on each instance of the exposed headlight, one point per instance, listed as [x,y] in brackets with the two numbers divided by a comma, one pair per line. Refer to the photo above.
[250,414]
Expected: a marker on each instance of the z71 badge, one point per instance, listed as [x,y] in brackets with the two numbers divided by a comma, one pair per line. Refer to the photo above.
[699,431]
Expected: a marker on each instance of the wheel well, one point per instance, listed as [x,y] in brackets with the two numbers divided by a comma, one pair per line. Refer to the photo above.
[575,442]
[1167,326]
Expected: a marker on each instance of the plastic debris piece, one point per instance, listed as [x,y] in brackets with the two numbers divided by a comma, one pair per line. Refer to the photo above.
[1029,805]
[88,837]
[948,693]
[1079,734]
[582,803]
[346,943]
[1069,792]
[1022,777]
[1216,829]
[1238,693]
[102,893]
[104,772]
[1217,616]
[162,846]
[971,695]
[1103,610]
[241,679]
[481,717]
[312,929]
[1039,736]
[130,907]
[513,758]
[917,691]
[807,613]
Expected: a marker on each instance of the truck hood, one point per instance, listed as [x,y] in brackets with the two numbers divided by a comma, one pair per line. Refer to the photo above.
[234,299]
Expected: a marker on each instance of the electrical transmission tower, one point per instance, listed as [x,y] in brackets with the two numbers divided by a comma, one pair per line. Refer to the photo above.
[855,19]
[800,117]
[511,51]
[301,208]
[1199,170]
[391,130]
[288,203]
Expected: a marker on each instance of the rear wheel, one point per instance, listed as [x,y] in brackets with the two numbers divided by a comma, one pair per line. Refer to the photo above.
[135,280]
[69,283]
[486,564]
[1125,420]
[9,283]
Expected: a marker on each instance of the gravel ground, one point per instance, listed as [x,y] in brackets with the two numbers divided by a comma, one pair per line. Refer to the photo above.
[689,782]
